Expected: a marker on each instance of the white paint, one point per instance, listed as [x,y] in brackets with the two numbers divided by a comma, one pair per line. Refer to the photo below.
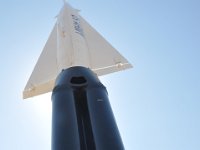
[72,42]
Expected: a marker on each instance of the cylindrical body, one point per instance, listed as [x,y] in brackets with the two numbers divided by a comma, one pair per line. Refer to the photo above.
[82,116]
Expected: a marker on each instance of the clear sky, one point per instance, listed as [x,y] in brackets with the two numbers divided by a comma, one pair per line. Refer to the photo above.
[156,104]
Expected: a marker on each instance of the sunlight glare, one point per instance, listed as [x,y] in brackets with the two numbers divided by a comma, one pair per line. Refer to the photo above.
[43,105]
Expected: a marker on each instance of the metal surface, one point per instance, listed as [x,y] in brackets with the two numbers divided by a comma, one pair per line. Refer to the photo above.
[72,42]
[82,116]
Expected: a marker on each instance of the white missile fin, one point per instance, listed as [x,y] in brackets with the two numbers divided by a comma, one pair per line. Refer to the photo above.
[72,42]
[104,59]
[43,76]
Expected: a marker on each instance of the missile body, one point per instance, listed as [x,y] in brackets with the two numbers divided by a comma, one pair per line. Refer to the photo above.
[72,58]
[82,116]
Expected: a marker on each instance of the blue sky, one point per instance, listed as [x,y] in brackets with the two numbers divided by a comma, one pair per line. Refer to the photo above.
[156,104]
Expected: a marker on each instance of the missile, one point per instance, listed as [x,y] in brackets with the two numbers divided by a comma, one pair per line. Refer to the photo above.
[73,57]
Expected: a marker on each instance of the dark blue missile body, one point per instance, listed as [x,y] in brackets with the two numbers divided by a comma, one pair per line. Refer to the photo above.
[82,116]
